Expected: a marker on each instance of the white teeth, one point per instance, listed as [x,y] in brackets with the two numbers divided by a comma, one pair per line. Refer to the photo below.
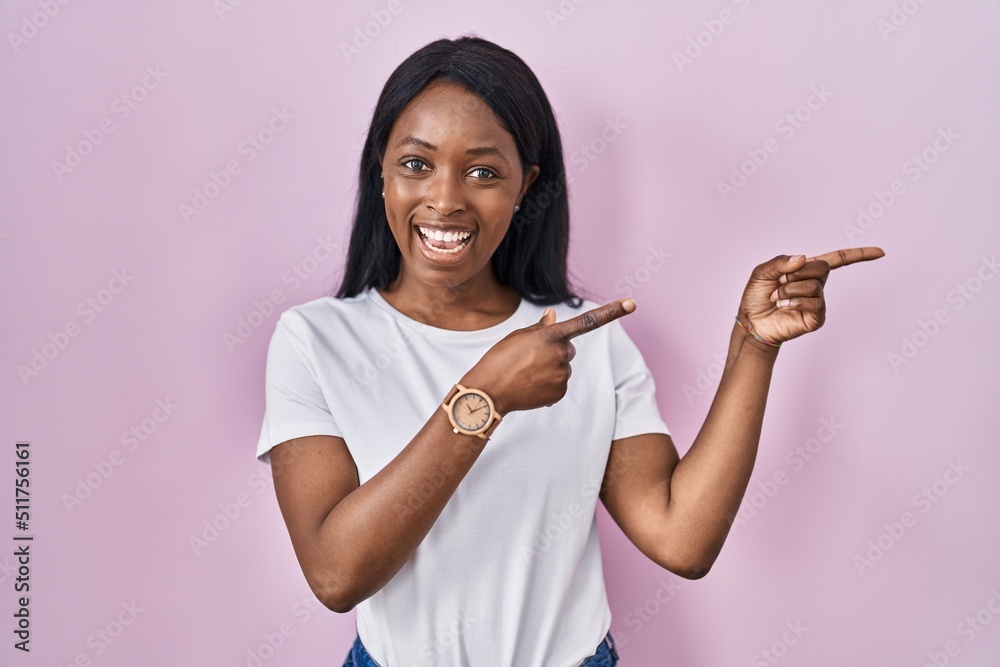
[438,235]
[426,234]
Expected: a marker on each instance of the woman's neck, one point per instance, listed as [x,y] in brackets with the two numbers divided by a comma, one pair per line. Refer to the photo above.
[468,306]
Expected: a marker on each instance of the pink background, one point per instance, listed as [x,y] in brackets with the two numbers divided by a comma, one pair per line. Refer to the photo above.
[160,334]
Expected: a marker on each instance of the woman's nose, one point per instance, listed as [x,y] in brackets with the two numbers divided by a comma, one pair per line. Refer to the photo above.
[444,194]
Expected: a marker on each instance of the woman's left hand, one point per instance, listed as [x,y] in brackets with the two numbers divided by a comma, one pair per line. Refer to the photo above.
[784,297]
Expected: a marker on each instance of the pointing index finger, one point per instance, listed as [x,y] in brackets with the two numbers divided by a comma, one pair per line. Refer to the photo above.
[592,319]
[839,258]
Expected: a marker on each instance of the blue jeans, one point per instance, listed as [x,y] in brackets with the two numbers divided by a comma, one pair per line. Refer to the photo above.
[606,655]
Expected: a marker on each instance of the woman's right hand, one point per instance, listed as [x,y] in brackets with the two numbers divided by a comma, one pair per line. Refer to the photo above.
[529,367]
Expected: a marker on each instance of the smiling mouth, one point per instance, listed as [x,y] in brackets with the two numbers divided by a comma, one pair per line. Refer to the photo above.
[444,243]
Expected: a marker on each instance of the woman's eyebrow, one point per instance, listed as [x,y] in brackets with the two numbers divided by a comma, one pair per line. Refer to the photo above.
[410,140]
[487,150]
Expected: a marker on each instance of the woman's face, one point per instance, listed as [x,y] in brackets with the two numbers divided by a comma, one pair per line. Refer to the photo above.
[450,169]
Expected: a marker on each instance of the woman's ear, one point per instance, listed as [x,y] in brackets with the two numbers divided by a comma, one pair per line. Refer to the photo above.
[530,175]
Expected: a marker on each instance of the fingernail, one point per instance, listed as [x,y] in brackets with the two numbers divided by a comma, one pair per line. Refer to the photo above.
[774,295]
[782,304]
[783,278]
[628,305]
[795,258]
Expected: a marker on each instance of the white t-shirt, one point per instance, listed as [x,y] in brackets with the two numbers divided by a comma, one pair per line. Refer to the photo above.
[510,573]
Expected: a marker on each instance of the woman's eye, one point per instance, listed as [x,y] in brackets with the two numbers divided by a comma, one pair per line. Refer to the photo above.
[489,173]
[412,160]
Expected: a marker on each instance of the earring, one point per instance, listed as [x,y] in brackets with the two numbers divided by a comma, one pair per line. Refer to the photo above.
[383,194]
[516,208]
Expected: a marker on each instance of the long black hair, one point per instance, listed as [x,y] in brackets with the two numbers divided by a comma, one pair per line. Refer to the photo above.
[531,258]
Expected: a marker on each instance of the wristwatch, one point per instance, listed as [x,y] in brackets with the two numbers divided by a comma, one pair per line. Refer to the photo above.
[471,411]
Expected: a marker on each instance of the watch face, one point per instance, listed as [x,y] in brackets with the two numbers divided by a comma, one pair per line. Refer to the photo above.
[471,411]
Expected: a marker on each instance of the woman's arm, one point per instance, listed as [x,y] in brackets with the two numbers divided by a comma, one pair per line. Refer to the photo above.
[679,511]
[351,539]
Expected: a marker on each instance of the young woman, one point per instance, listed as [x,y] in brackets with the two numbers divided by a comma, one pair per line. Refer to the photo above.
[435,463]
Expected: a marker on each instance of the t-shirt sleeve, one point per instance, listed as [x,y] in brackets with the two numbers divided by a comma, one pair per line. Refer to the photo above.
[636,411]
[294,404]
